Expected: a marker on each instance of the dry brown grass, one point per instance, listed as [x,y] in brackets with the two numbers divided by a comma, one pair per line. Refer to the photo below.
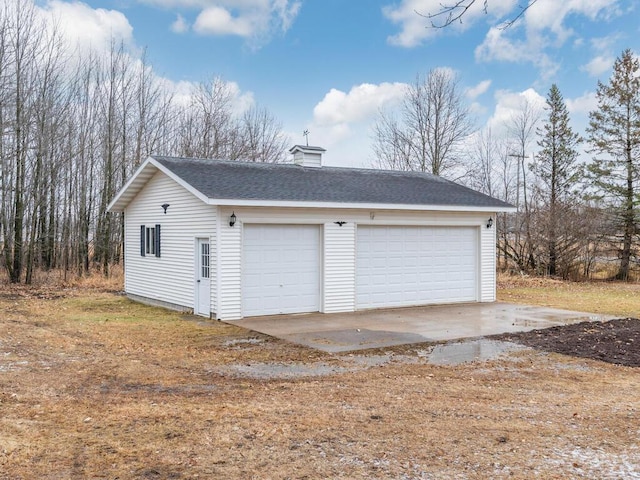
[614,298]
[95,386]
[95,280]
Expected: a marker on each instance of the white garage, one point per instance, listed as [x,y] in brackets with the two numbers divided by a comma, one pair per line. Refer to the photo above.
[399,266]
[280,269]
[302,237]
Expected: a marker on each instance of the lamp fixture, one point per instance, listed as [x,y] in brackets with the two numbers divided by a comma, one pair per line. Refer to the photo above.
[490,222]
[340,223]
[164,207]
[232,219]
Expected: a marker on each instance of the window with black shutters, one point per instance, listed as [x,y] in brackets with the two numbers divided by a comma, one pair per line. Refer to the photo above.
[150,240]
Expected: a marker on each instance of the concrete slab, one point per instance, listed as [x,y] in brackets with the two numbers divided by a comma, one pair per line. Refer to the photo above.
[382,328]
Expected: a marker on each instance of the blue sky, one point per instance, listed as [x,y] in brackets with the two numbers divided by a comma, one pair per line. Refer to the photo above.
[330,65]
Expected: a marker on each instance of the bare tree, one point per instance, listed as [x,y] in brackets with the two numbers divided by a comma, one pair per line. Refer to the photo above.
[453,12]
[521,128]
[70,138]
[390,149]
[435,122]
[23,34]
[484,172]
[262,137]
[208,127]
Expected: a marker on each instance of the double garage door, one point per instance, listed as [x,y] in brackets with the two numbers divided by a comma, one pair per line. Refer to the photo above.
[395,266]
[404,266]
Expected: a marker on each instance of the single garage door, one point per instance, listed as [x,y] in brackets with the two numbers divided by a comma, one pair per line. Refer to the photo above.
[403,266]
[280,269]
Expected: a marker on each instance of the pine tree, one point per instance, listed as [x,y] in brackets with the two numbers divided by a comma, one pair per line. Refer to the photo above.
[614,133]
[556,170]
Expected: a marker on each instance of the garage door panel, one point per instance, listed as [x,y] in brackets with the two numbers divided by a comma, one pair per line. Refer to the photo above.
[401,266]
[281,269]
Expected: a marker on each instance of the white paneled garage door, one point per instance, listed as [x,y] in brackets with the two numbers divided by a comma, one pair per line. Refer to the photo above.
[402,266]
[280,269]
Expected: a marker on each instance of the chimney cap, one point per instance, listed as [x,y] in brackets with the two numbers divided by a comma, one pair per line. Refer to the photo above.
[306,148]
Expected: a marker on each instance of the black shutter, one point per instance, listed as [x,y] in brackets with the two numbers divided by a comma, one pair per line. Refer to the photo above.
[142,244]
[157,240]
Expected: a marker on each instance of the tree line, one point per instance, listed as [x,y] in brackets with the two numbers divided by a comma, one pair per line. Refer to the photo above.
[573,215]
[76,125]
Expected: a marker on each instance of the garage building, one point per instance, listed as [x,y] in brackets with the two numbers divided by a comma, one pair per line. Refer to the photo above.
[233,239]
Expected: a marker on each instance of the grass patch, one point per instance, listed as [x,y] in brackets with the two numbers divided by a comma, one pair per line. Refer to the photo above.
[612,298]
[95,386]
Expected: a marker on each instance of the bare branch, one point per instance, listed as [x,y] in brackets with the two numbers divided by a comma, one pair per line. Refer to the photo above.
[450,13]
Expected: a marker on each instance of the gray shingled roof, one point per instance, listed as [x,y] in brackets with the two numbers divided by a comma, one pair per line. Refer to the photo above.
[219,179]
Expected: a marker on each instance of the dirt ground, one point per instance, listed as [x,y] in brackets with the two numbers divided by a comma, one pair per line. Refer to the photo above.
[95,386]
[616,341]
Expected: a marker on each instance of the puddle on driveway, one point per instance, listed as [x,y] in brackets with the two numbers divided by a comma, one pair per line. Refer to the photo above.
[470,351]
[445,354]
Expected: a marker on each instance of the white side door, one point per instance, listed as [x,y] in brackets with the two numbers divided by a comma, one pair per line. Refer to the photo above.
[203,278]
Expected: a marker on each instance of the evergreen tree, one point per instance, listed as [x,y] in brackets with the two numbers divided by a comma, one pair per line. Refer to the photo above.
[614,133]
[556,171]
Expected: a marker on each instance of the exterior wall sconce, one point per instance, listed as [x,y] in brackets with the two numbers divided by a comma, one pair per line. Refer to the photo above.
[232,219]
[340,223]
[490,222]
[164,207]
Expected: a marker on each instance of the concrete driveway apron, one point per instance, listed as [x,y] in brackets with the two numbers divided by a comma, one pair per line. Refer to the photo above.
[382,328]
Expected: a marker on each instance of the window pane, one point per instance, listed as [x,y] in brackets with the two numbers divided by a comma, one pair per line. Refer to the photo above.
[204,260]
[152,240]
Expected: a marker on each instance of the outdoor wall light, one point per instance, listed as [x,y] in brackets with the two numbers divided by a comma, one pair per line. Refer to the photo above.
[232,219]
[164,207]
[490,222]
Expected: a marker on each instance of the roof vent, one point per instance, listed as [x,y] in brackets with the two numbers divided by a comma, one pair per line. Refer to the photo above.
[307,156]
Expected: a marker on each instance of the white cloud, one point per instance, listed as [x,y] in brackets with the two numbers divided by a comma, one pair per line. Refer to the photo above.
[598,65]
[363,101]
[498,46]
[342,121]
[604,57]
[551,14]
[182,93]
[411,15]
[543,27]
[219,21]
[255,20]
[180,25]
[88,28]
[509,104]
[474,92]
[582,105]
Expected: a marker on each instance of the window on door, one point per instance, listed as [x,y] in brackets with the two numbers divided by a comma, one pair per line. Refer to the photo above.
[204,260]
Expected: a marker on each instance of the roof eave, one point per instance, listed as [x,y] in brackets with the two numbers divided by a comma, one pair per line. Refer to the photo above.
[140,178]
[368,206]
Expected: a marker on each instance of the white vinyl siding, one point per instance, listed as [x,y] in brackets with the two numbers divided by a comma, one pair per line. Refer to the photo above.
[488,263]
[400,266]
[169,278]
[230,270]
[339,267]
